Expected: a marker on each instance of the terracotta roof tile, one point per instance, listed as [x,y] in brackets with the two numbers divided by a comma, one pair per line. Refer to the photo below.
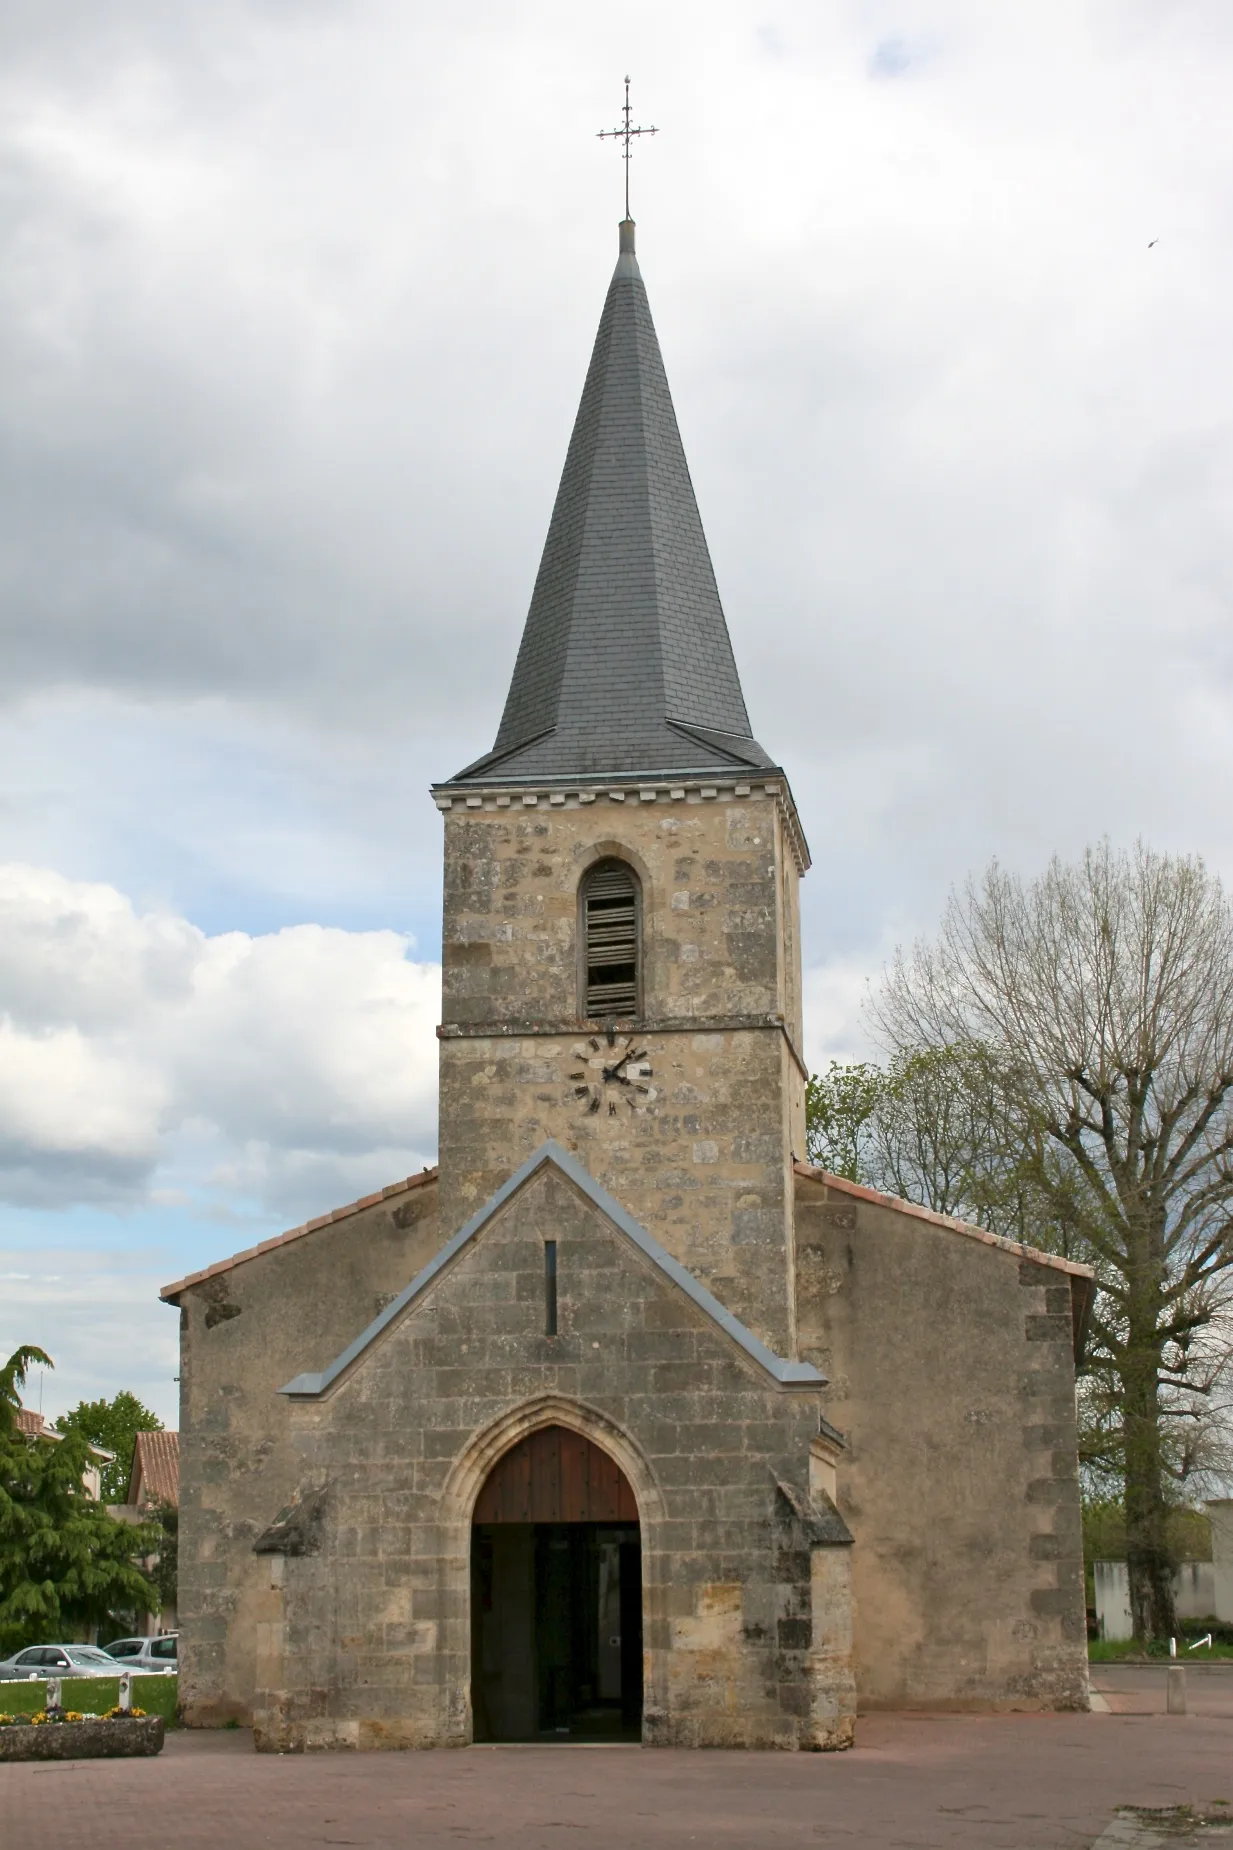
[982,1234]
[155,1474]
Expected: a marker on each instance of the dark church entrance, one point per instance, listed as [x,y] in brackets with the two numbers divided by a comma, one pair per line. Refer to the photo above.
[556,1596]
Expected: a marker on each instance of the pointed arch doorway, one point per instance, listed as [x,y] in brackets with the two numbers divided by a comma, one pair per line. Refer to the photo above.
[556,1595]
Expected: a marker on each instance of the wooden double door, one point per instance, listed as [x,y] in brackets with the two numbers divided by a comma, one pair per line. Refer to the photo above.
[556,1596]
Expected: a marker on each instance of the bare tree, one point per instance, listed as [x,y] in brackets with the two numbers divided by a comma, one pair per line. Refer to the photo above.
[1100,999]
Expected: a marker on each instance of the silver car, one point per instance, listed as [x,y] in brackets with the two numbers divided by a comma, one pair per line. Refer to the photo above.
[40,1661]
[146,1656]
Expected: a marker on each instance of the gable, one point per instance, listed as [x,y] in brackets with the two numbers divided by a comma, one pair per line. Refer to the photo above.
[851,1205]
[580,1200]
[384,1207]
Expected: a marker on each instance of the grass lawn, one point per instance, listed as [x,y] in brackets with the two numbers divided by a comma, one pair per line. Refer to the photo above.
[94,1696]
[1126,1651]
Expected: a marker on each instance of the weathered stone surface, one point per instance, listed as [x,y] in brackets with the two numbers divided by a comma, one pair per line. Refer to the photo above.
[370,1642]
[707,1167]
[296,1305]
[952,1377]
[325,1541]
[90,1740]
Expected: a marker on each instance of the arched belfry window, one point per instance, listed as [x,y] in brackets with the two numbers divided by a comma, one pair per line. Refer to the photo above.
[609,925]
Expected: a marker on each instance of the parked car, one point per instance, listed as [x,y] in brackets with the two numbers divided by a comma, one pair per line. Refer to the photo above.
[146,1656]
[39,1661]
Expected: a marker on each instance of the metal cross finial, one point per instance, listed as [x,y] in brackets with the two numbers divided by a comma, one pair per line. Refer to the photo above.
[626,135]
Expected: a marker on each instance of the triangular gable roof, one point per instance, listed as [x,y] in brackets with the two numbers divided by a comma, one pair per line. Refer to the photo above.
[785,1374]
[154,1476]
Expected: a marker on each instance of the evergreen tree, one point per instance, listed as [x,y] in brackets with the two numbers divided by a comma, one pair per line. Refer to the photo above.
[65,1564]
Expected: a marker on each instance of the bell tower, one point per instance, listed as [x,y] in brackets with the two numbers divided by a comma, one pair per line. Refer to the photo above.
[621,957]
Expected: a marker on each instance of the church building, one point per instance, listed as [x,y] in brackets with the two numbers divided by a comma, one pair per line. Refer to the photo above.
[624,1422]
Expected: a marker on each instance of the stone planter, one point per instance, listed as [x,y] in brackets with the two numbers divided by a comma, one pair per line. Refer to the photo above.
[92,1740]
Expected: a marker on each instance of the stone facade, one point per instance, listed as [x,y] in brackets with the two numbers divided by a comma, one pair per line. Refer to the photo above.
[366,1637]
[245,1328]
[951,1372]
[707,1166]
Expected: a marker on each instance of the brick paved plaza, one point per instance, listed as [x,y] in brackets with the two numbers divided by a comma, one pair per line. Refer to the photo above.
[984,1782]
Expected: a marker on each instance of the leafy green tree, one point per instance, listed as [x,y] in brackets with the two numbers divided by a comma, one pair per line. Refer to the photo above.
[65,1564]
[840,1109]
[113,1425]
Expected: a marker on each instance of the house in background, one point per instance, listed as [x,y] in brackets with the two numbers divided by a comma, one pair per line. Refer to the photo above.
[154,1476]
[153,1485]
[35,1427]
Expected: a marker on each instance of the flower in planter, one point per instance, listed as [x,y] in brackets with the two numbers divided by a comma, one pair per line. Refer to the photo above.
[120,1715]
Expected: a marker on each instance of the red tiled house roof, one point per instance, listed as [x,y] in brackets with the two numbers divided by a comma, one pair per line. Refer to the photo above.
[155,1475]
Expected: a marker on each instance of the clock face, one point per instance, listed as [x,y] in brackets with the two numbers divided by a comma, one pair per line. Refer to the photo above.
[609,1075]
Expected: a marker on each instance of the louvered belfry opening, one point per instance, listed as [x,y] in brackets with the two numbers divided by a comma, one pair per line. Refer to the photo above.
[610,941]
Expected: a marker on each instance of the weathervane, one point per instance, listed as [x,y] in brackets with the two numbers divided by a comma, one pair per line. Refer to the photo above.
[626,135]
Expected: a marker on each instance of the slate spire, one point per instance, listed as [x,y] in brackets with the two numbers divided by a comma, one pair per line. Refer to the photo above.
[625,665]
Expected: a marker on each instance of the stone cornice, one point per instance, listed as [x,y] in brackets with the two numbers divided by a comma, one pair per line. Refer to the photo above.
[579,794]
[704,1024]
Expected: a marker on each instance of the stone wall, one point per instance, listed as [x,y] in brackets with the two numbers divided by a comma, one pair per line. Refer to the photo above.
[712,897]
[366,1633]
[245,1331]
[1220,1510]
[707,1166]
[706,1170]
[952,1378]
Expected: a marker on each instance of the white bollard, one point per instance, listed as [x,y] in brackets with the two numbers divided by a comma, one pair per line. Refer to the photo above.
[1175,1702]
[126,1691]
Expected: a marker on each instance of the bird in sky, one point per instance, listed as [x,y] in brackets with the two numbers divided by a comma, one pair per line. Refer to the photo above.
[1152,241]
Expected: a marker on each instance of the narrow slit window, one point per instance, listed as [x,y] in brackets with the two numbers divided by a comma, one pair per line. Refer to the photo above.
[550,1287]
[610,941]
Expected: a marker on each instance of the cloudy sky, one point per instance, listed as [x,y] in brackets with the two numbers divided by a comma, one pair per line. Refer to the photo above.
[296,299]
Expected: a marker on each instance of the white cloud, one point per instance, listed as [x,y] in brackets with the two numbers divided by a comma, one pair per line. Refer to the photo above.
[285,414]
[283,419]
[836,1026]
[98,1316]
[135,1048]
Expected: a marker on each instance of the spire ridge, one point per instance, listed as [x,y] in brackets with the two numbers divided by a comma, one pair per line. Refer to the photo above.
[625,665]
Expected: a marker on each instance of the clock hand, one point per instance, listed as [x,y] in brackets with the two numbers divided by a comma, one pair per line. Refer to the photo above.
[614,1071]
